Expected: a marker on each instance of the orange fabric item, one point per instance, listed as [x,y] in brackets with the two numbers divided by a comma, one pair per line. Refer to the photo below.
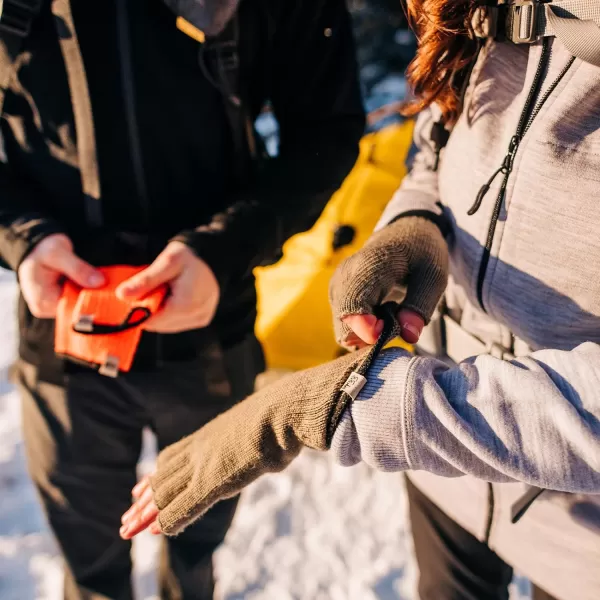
[96,327]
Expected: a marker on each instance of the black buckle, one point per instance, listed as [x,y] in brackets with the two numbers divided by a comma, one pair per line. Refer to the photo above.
[521,21]
[225,53]
[17,16]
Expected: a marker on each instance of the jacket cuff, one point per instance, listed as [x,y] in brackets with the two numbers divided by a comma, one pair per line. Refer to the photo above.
[18,240]
[373,428]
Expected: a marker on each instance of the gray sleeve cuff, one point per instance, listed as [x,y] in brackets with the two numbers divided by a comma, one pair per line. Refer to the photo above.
[373,428]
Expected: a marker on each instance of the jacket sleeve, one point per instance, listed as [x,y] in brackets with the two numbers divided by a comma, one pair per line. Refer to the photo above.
[315,94]
[22,223]
[534,420]
[418,194]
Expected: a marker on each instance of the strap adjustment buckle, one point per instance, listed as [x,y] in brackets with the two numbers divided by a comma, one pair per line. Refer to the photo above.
[516,21]
[225,52]
[522,20]
[17,16]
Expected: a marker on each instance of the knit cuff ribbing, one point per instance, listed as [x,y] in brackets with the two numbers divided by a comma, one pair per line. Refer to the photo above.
[373,428]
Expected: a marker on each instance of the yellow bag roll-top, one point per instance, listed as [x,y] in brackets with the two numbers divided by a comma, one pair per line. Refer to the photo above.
[294,319]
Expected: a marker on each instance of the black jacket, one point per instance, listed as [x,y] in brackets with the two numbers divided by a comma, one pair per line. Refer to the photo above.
[177,180]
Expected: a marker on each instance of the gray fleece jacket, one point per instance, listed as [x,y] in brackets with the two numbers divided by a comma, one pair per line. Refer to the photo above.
[535,419]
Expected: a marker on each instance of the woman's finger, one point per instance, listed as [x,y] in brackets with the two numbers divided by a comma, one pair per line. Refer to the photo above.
[139,506]
[155,528]
[141,486]
[353,342]
[366,327]
[411,324]
[142,520]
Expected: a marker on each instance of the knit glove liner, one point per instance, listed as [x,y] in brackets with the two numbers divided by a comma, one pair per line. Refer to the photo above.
[405,262]
[262,434]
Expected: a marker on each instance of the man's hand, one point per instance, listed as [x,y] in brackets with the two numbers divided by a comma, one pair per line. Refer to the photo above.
[42,272]
[194,290]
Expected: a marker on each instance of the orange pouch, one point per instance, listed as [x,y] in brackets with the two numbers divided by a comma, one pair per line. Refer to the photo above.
[99,329]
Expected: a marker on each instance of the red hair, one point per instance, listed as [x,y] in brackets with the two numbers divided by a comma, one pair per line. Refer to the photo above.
[445,46]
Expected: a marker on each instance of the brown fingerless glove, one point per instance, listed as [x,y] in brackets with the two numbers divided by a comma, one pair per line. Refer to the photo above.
[261,434]
[405,262]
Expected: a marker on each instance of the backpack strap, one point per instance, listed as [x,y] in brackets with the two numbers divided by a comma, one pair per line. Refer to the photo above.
[15,25]
[576,23]
[82,110]
[220,62]
[440,134]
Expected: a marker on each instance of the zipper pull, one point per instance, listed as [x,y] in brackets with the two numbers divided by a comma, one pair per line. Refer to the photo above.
[485,188]
[512,151]
[506,168]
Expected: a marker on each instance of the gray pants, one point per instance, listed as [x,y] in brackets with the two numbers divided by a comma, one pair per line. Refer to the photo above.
[83,441]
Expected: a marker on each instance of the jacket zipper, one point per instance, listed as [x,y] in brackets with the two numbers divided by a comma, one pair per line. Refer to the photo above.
[528,115]
[133,131]
[490,516]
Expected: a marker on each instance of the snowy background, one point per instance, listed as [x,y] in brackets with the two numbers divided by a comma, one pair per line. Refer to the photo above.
[315,532]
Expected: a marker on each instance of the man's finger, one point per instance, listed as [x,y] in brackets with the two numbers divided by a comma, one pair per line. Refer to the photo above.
[165,320]
[411,324]
[75,269]
[366,327]
[171,319]
[162,270]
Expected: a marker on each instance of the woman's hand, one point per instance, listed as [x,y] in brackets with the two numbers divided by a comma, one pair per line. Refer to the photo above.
[365,329]
[143,514]
[406,263]
[261,434]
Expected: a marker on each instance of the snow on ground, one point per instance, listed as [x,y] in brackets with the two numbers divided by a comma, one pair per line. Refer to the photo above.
[315,532]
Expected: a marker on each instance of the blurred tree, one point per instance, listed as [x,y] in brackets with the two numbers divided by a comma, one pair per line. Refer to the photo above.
[385,46]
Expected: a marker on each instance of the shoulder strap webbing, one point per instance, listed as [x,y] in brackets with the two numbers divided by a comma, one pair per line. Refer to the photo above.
[576,23]
[440,133]
[581,36]
[82,110]
[220,60]
[15,24]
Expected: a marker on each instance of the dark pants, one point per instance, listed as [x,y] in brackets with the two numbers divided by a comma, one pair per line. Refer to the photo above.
[453,564]
[83,441]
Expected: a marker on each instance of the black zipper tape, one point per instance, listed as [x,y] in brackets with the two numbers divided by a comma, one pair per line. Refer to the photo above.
[529,113]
